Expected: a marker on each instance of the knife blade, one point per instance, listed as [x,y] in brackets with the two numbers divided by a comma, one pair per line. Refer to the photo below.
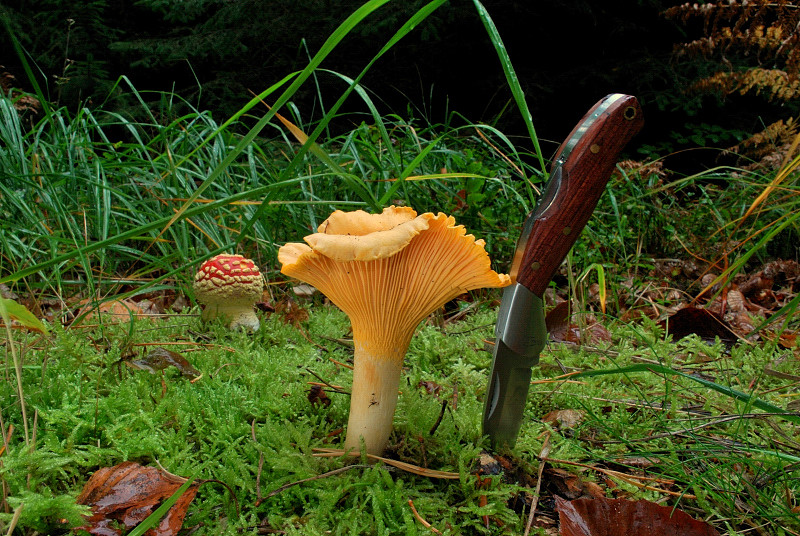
[578,177]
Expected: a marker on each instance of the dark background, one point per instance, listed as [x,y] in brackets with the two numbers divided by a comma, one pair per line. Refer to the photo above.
[568,54]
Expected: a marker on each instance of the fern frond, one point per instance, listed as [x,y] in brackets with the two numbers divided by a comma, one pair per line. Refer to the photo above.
[774,84]
[769,148]
[767,30]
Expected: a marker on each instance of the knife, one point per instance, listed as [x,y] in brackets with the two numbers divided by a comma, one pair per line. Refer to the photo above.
[578,178]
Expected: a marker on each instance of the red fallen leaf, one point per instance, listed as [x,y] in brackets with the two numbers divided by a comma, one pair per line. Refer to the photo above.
[621,517]
[702,322]
[123,496]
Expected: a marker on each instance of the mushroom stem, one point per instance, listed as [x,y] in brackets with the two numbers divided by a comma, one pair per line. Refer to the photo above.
[376,380]
[236,314]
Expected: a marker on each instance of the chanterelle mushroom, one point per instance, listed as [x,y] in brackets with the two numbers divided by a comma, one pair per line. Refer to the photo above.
[229,286]
[387,272]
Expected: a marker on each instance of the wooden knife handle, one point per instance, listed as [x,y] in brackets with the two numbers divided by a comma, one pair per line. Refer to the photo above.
[587,157]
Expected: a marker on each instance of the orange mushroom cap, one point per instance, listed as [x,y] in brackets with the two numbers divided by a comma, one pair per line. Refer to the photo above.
[393,268]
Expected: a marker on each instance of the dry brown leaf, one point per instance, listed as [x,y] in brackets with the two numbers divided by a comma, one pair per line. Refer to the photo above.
[701,322]
[564,419]
[122,496]
[561,329]
[290,312]
[621,517]
[317,396]
[113,310]
[570,485]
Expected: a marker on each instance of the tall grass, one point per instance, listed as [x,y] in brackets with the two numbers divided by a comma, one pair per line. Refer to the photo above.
[95,197]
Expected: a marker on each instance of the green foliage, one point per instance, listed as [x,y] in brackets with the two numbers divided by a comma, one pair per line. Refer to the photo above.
[247,422]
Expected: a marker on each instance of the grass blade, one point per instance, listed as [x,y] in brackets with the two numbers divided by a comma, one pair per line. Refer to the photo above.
[330,44]
[727,391]
[513,81]
[152,520]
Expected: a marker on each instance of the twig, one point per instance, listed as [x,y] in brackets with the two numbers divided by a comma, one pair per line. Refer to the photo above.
[260,464]
[316,477]
[6,436]
[630,479]
[439,420]
[535,499]
[306,337]
[348,343]
[410,468]
[419,518]
[15,519]
[719,420]
[462,312]
[334,388]
[345,365]
[320,378]
[20,392]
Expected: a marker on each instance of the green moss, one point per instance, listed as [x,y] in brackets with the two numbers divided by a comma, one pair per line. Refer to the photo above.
[248,419]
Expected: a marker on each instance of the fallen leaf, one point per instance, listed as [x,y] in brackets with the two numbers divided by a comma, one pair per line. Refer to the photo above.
[290,312]
[571,485]
[621,517]
[114,310]
[122,496]
[788,339]
[701,322]
[561,329]
[564,419]
[160,358]
[317,395]
[431,387]
[7,293]
[557,321]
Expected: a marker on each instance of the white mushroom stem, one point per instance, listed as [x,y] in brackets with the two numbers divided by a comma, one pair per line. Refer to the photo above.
[238,314]
[376,382]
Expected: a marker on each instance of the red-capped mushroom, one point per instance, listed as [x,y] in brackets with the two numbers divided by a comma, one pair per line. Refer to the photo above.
[229,286]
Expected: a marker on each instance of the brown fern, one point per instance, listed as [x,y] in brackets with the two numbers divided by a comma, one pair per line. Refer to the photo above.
[775,84]
[764,32]
[769,149]
[757,43]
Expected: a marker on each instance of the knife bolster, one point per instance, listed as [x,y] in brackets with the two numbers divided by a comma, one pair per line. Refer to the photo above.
[520,324]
